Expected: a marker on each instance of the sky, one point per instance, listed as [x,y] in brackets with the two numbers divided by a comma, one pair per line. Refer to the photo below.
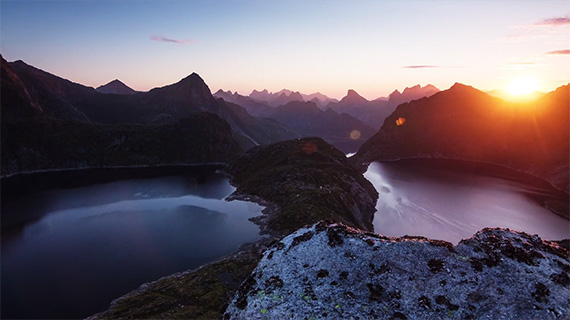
[372,47]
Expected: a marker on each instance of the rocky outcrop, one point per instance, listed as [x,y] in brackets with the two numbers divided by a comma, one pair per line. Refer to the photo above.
[303,181]
[330,271]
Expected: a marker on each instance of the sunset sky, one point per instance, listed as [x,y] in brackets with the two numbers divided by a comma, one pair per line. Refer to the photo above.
[372,47]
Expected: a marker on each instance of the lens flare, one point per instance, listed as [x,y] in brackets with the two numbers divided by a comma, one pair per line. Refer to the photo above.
[355,135]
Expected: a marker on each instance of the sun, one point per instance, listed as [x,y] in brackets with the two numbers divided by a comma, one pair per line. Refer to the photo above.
[522,86]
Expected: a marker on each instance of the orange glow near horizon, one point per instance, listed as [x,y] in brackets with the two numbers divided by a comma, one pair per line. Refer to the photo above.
[522,86]
[400,121]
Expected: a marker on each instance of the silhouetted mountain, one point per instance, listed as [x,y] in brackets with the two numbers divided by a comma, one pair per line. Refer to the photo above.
[369,112]
[411,93]
[374,112]
[465,123]
[321,99]
[115,87]
[343,131]
[252,106]
[179,100]
[353,98]
[56,94]
[285,96]
[16,100]
[33,140]
[263,96]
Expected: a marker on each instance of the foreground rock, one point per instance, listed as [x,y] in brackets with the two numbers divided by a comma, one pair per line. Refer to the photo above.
[330,271]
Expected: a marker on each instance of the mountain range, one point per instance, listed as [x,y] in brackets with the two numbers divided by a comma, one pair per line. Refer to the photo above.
[50,122]
[374,112]
[305,117]
[169,103]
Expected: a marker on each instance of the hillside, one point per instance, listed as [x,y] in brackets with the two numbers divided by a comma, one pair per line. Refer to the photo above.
[465,123]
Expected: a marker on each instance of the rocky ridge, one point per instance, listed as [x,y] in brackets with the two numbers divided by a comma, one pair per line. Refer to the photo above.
[331,271]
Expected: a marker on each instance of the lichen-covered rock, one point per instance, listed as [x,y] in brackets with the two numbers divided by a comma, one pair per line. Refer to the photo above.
[330,271]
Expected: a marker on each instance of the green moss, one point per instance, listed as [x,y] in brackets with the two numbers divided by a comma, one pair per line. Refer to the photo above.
[308,184]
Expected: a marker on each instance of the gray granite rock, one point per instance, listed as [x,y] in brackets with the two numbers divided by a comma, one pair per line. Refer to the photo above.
[330,271]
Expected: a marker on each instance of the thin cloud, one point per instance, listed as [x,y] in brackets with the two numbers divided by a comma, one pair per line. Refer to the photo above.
[547,27]
[560,21]
[559,52]
[521,63]
[165,39]
[420,67]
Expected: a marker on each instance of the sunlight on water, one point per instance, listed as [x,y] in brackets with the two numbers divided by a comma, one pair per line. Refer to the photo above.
[451,206]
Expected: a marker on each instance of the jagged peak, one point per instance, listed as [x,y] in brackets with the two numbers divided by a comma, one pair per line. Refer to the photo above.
[395,93]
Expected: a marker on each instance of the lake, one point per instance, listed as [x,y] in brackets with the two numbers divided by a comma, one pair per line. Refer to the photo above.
[451,200]
[67,252]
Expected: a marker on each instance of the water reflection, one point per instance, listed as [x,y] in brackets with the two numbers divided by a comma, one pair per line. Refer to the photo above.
[95,243]
[451,205]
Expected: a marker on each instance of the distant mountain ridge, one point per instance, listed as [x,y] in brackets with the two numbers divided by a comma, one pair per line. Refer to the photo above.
[374,112]
[176,101]
[285,96]
[115,87]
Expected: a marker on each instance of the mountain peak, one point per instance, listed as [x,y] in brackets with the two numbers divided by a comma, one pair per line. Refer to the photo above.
[115,87]
[352,93]
[461,86]
[353,98]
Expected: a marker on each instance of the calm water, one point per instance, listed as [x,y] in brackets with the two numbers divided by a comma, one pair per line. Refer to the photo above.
[449,204]
[91,244]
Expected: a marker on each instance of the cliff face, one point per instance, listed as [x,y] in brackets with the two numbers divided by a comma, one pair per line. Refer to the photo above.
[465,123]
[308,180]
[330,271]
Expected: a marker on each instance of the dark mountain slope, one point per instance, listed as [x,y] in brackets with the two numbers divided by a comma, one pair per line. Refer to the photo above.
[252,106]
[16,99]
[465,123]
[33,140]
[341,130]
[56,94]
